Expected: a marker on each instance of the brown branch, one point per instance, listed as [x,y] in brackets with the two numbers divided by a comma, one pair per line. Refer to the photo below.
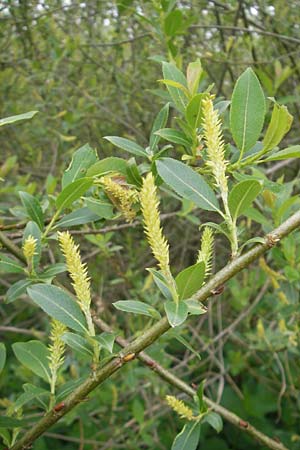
[167,376]
[153,334]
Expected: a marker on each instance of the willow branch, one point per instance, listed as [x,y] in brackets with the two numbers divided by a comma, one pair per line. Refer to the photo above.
[171,379]
[151,335]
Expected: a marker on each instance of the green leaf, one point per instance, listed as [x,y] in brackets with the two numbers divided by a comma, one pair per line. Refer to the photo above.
[177,312]
[16,290]
[188,438]
[290,152]
[68,387]
[214,420]
[32,229]
[200,394]
[127,145]
[106,340]
[59,305]
[77,343]
[2,356]
[193,111]
[107,165]
[72,192]
[176,136]
[34,355]
[33,208]
[133,174]
[193,76]
[136,307]
[173,22]
[281,122]
[171,72]
[185,343]
[82,159]
[27,396]
[187,183]
[161,283]
[9,265]
[247,111]
[190,280]
[78,217]
[242,195]
[13,119]
[100,206]
[159,123]
[10,422]
[195,308]
[52,271]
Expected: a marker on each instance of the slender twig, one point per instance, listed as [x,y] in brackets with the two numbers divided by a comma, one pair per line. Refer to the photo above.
[248,30]
[170,378]
[153,334]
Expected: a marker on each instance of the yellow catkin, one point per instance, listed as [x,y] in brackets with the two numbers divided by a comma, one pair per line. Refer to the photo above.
[56,347]
[215,144]
[29,247]
[76,269]
[122,196]
[260,329]
[205,253]
[153,231]
[180,408]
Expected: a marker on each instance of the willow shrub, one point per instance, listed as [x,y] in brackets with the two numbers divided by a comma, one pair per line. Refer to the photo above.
[214,169]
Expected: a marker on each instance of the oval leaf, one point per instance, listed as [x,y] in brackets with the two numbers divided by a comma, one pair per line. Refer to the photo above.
[59,305]
[242,195]
[77,343]
[13,119]
[177,312]
[171,72]
[176,136]
[127,145]
[73,192]
[16,290]
[9,265]
[188,438]
[281,122]
[159,123]
[290,152]
[108,165]
[190,280]
[247,112]
[2,356]
[34,355]
[82,159]
[33,208]
[136,307]
[187,183]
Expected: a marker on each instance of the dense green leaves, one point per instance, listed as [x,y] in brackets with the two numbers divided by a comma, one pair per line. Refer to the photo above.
[190,280]
[247,112]
[34,355]
[242,196]
[187,183]
[59,305]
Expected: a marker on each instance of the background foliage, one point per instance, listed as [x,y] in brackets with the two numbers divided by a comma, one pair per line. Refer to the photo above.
[91,69]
